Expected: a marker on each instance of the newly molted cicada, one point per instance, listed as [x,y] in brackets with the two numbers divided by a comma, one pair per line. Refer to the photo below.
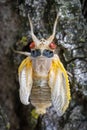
[42,77]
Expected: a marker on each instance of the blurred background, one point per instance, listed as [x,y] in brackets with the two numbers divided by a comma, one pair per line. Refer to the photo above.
[71,38]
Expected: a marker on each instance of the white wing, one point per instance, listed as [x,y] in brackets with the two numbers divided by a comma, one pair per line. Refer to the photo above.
[25,81]
[60,92]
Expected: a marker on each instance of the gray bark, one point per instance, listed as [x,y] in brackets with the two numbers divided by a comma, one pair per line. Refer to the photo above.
[71,38]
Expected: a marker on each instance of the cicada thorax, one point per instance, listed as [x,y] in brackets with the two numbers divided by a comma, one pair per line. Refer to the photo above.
[41,93]
[41,65]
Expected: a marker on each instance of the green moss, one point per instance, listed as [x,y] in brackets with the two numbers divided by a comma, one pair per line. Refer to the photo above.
[73,65]
[24,40]
[82,40]
[8,126]
[34,114]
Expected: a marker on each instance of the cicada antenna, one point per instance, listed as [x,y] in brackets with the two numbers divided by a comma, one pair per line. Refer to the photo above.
[35,39]
[50,39]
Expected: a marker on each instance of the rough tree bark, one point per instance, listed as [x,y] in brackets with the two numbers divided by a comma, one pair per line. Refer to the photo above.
[71,38]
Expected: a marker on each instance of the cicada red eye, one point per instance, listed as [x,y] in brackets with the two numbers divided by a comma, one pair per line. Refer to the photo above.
[52,45]
[32,45]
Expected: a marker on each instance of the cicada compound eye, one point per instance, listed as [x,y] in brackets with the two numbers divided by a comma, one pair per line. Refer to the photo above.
[32,45]
[52,45]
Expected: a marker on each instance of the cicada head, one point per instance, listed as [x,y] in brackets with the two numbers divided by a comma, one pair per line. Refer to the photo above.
[43,47]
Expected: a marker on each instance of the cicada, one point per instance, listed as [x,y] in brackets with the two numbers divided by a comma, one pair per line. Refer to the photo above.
[42,77]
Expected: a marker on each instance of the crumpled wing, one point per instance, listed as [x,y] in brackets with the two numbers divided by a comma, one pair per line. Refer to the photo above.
[60,89]
[25,80]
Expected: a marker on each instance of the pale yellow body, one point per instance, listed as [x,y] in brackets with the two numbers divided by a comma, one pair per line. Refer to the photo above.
[45,82]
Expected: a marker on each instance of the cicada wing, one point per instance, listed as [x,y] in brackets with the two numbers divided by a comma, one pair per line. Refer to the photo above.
[60,91]
[25,80]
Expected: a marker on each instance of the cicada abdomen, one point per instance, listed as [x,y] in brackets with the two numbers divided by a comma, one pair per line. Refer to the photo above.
[41,92]
[42,77]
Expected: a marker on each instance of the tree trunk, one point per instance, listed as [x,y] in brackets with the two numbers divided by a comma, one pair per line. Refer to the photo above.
[71,38]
